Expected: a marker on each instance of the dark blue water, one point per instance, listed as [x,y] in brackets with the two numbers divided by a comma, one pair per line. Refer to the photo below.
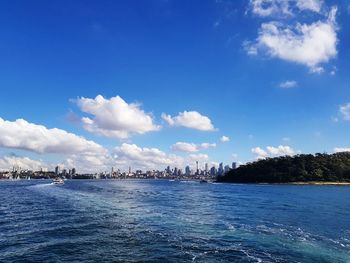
[162,221]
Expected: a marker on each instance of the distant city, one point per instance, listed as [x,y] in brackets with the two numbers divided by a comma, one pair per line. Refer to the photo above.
[171,173]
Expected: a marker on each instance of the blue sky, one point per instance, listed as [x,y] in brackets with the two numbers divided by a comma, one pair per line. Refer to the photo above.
[264,73]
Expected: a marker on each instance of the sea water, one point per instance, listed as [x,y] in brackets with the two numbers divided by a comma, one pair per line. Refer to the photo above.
[172,221]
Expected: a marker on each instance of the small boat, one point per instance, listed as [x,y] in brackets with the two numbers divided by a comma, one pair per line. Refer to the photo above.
[58,181]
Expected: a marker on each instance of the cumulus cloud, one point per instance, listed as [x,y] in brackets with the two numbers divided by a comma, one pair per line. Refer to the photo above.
[78,152]
[115,118]
[191,147]
[224,139]
[288,84]
[145,157]
[273,151]
[190,119]
[21,134]
[345,111]
[261,153]
[341,149]
[307,44]
[153,158]
[184,147]
[24,163]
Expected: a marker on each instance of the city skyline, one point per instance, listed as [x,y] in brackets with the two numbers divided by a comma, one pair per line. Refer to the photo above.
[98,85]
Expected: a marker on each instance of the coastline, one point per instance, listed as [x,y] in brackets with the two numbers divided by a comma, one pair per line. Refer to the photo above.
[320,183]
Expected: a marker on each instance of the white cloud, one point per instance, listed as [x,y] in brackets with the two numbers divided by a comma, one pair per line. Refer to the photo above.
[153,158]
[224,139]
[184,147]
[260,152]
[131,154]
[191,147]
[190,119]
[341,149]
[306,44]
[115,118]
[288,84]
[21,134]
[24,163]
[273,151]
[312,5]
[317,70]
[282,8]
[200,157]
[207,145]
[89,163]
[345,111]
[78,152]
[267,8]
[280,150]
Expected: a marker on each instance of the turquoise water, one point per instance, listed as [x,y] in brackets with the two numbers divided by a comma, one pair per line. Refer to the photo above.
[162,221]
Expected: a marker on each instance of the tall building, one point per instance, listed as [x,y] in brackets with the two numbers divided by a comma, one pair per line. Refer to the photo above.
[188,170]
[227,168]
[73,171]
[197,168]
[206,168]
[234,165]
[57,170]
[213,171]
[221,169]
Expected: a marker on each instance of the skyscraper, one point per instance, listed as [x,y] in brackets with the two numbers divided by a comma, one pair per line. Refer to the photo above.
[57,170]
[188,170]
[221,169]
[234,165]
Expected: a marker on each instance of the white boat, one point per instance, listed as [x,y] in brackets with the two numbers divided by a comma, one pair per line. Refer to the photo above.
[58,181]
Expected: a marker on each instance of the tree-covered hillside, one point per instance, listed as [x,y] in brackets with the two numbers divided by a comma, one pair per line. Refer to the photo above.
[299,168]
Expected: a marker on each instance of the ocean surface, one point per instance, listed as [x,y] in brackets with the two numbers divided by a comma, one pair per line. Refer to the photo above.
[165,221]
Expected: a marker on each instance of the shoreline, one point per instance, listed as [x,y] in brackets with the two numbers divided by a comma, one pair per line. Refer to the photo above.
[320,183]
[193,179]
[299,183]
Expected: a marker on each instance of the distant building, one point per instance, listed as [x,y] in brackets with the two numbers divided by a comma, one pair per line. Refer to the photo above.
[227,168]
[206,168]
[213,171]
[57,170]
[234,165]
[73,171]
[221,169]
[188,170]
